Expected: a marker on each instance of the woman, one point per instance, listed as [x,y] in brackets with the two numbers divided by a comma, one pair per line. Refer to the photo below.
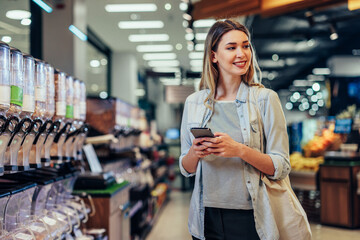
[227,201]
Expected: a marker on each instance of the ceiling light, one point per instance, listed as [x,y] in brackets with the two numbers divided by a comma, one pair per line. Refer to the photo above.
[134,16]
[309,91]
[178,46]
[26,21]
[300,83]
[319,95]
[94,87]
[171,63]
[312,112]
[189,36]
[296,95]
[333,35]
[140,24]
[167,6]
[103,95]
[306,105]
[139,92]
[315,107]
[204,23]
[196,69]
[321,71]
[95,63]
[43,5]
[187,16]
[200,47]
[310,42]
[196,55]
[271,76]
[316,87]
[103,61]
[289,106]
[320,103]
[141,7]
[275,57]
[154,48]
[183,6]
[6,39]
[18,14]
[314,98]
[166,69]
[159,56]
[196,63]
[148,37]
[78,33]
[201,36]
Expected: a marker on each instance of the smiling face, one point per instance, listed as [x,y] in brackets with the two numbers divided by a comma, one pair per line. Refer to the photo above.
[233,54]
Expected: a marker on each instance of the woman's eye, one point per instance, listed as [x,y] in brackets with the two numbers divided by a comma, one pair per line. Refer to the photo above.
[247,46]
[230,48]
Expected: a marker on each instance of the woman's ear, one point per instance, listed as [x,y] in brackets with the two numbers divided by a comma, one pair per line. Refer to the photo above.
[213,57]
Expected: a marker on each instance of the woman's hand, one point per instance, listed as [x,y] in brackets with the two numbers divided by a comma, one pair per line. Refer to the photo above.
[198,149]
[222,145]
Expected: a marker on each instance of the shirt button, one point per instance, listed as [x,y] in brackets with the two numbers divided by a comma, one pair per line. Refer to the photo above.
[244,129]
[241,115]
[253,199]
[248,182]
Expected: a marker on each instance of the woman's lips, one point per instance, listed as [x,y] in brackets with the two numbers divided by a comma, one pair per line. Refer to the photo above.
[240,64]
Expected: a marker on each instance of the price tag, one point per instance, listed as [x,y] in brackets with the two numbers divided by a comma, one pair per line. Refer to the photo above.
[92,159]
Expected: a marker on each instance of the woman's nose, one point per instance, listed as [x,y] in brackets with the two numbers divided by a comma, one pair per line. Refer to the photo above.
[239,52]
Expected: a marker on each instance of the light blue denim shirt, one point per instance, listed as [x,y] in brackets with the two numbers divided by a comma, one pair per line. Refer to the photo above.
[249,101]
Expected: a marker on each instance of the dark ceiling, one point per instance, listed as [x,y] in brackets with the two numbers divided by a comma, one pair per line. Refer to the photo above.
[302,41]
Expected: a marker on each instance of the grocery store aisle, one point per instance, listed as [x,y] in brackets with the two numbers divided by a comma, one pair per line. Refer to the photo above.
[172,223]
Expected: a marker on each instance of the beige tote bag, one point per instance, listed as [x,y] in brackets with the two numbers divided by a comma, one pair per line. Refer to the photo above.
[290,217]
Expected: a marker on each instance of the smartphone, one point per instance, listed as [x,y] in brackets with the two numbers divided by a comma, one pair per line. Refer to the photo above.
[201,132]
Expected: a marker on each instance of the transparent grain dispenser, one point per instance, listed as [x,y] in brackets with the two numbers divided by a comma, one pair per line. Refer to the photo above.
[4,100]
[80,140]
[59,117]
[39,114]
[50,111]
[69,117]
[16,102]
[4,197]
[27,111]
[70,143]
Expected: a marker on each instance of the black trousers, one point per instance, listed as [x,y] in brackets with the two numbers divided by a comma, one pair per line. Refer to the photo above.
[229,224]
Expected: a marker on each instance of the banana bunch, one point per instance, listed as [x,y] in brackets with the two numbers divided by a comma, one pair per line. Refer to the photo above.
[299,162]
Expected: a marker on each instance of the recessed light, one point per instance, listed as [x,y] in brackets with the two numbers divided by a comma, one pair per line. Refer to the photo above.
[140,24]
[200,36]
[183,6]
[159,56]
[154,48]
[167,6]
[171,63]
[18,14]
[6,39]
[196,69]
[26,21]
[142,7]
[200,47]
[204,23]
[103,95]
[189,36]
[178,46]
[148,37]
[103,61]
[95,63]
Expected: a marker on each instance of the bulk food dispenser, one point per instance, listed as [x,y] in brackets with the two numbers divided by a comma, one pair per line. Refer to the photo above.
[28,109]
[5,134]
[57,152]
[52,128]
[16,127]
[39,114]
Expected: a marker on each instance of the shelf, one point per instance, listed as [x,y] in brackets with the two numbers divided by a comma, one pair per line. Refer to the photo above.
[303,180]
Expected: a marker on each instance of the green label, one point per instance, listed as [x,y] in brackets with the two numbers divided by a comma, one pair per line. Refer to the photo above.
[69,111]
[16,95]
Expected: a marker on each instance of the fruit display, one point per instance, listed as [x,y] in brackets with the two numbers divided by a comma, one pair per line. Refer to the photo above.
[299,162]
[327,141]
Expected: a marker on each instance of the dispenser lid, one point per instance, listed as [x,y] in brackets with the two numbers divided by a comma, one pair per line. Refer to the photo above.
[2,44]
[4,193]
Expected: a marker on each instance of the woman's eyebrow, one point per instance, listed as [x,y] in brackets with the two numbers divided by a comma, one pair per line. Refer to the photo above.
[231,43]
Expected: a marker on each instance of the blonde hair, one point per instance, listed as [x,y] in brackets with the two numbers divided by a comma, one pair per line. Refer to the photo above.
[210,73]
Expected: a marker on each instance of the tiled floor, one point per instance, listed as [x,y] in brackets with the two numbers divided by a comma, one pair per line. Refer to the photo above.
[172,223]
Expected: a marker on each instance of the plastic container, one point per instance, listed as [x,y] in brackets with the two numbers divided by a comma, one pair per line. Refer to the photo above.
[77,99]
[16,82]
[60,95]
[50,92]
[40,90]
[28,107]
[69,98]
[82,101]
[4,78]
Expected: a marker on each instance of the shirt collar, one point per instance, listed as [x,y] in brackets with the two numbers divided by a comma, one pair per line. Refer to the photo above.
[242,93]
